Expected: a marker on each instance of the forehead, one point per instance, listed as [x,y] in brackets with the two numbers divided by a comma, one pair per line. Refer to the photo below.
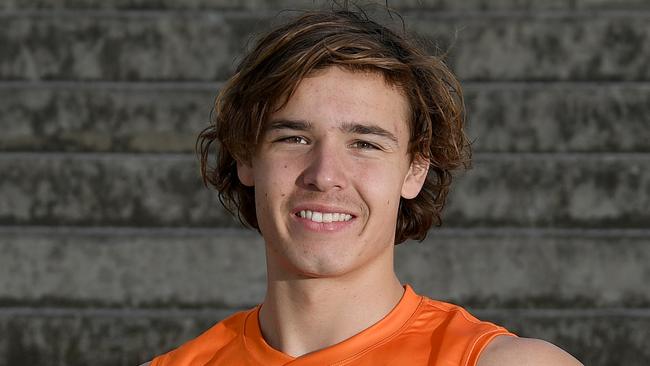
[335,96]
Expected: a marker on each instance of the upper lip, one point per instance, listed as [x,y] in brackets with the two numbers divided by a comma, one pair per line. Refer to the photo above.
[321,208]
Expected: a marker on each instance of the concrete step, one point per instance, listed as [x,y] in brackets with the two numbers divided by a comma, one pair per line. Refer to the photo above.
[523,190]
[78,337]
[558,117]
[482,268]
[555,190]
[166,117]
[594,338]
[107,189]
[77,45]
[256,5]
[118,117]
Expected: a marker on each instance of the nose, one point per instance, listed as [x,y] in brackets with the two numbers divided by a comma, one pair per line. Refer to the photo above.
[325,168]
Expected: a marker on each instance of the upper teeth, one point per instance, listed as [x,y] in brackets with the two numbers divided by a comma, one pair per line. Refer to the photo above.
[324,216]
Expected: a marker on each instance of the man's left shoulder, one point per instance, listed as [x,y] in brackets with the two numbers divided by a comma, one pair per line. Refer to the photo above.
[511,351]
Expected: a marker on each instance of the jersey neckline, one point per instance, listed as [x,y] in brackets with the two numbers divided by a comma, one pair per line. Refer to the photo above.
[352,347]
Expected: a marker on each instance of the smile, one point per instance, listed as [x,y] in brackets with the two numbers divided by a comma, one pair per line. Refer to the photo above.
[316,216]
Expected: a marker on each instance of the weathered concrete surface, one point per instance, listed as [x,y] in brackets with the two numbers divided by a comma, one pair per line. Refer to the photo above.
[171,46]
[519,270]
[99,339]
[596,191]
[108,190]
[113,118]
[178,268]
[172,268]
[475,5]
[543,48]
[595,339]
[203,46]
[129,339]
[555,191]
[558,117]
[502,117]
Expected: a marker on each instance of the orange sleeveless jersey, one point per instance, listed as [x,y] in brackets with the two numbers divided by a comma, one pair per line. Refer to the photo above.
[418,331]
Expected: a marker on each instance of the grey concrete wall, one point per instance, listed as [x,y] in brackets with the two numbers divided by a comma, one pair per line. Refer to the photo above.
[111,251]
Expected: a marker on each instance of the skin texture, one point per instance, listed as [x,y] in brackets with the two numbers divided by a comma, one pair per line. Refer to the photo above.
[329,282]
[327,166]
[510,351]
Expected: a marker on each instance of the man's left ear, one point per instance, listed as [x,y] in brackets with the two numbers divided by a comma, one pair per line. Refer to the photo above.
[415,177]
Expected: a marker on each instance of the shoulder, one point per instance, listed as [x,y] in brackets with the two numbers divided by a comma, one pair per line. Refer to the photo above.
[513,351]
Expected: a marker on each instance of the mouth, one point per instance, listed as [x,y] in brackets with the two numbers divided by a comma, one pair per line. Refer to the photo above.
[320,218]
[326,217]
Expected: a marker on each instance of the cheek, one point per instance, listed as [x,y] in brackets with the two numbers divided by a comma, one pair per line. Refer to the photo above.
[380,184]
[272,183]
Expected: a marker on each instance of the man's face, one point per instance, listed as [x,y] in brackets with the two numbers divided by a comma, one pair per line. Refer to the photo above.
[329,173]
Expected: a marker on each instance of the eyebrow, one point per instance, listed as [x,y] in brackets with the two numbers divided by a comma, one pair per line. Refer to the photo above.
[288,124]
[348,127]
[368,129]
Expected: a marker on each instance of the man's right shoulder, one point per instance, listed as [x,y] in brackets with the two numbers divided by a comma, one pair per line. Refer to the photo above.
[219,335]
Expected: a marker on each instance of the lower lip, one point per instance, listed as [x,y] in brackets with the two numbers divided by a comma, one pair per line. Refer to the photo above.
[323,227]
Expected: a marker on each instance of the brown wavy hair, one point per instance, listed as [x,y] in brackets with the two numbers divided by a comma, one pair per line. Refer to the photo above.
[268,76]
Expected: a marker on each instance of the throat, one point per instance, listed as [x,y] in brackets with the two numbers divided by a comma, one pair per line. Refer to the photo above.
[301,322]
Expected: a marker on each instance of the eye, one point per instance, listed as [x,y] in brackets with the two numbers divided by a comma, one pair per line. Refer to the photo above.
[293,140]
[364,145]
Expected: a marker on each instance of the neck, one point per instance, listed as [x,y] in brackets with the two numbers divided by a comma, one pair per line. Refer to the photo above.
[303,315]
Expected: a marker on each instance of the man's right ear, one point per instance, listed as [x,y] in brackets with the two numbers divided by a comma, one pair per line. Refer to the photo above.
[245,174]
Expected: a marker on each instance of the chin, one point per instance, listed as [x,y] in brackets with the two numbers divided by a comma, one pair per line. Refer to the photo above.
[308,264]
[317,266]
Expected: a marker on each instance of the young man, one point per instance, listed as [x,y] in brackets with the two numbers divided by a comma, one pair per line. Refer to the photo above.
[336,139]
